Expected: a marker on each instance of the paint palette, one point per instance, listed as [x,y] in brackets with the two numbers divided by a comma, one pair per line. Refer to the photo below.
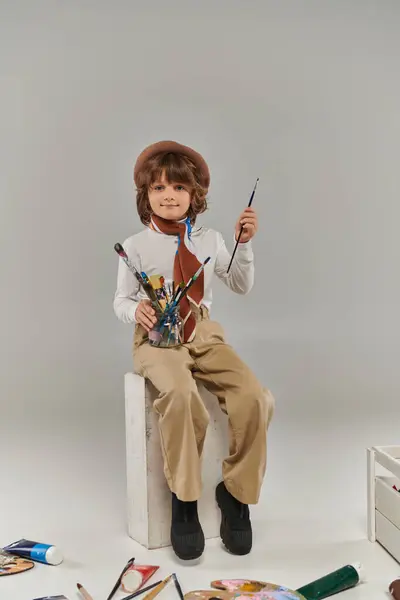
[241,585]
[244,589]
[11,565]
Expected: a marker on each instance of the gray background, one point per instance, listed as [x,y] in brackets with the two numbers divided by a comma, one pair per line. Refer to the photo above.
[304,95]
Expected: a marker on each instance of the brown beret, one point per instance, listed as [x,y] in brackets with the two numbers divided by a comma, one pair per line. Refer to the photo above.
[169,146]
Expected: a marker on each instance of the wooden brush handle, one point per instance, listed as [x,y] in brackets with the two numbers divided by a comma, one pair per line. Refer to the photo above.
[151,595]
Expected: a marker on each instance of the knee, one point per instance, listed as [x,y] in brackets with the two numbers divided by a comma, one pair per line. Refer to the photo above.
[254,400]
[181,400]
[259,403]
[269,405]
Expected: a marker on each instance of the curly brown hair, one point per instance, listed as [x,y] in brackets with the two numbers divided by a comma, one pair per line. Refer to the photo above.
[178,169]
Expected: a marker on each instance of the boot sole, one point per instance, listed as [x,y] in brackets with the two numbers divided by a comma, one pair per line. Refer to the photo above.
[178,543]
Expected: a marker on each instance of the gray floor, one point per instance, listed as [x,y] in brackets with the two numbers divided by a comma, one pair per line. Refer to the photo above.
[65,485]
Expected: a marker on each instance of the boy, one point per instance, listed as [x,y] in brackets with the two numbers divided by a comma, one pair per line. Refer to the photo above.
[172,182]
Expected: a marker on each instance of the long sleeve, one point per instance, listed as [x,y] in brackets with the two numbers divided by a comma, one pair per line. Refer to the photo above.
[240,278]
[126,297]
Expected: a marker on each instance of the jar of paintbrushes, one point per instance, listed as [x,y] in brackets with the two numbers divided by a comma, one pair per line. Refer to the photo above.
[165,299]
[168,331]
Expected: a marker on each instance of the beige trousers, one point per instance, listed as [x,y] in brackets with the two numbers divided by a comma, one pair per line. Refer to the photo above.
[183,418]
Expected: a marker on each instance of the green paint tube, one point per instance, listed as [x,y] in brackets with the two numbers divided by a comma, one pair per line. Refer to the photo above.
[333,583]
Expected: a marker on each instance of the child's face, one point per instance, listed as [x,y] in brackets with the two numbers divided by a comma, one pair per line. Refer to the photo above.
[169,201]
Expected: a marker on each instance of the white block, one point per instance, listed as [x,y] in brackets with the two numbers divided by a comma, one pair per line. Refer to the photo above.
[149,498]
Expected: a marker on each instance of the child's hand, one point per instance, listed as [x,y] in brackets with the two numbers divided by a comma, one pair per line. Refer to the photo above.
[249,220]
[145,315]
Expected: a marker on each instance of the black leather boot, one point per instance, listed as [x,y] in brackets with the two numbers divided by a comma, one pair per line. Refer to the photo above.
[236,532]
[187,537]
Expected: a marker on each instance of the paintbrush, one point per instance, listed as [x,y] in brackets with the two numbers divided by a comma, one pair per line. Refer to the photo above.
[181,290]
[178,587]
[84,592]
[169,310]
[141,277]
[241,229]
[170,293]
[190,282]
[151,291]
[121,252]
[142,591]
[177,291]
[151,595]
[164,289]
[118,582]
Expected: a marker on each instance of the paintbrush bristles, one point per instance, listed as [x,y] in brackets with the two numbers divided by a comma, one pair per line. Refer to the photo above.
[252,195]
[119,249]
[84,592]
[118,582]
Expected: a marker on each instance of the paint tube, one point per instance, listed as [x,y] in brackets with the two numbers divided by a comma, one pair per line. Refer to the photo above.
[136,576]
[52,598]
[43,553]
[333,583]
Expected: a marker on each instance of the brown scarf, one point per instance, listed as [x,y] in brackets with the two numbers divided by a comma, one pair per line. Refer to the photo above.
[185,266]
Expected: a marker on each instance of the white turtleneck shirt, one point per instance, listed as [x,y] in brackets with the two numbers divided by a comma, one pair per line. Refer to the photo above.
[154,253]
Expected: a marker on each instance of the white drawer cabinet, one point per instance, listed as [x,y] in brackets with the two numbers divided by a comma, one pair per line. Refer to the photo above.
[383,499]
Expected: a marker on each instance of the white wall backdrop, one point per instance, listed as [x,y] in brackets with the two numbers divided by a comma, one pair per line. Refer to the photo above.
[304,94]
